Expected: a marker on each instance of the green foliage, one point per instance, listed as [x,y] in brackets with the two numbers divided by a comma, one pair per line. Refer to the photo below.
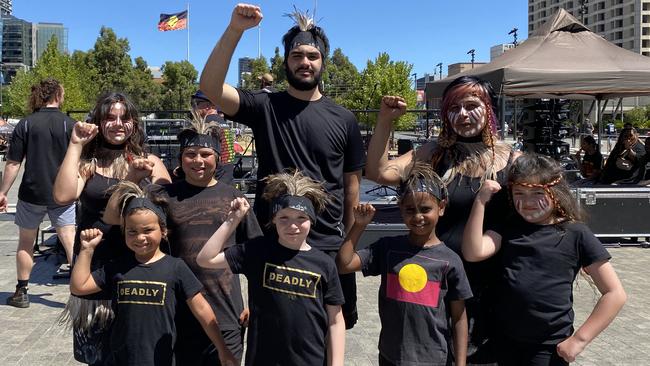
[341,77]
[259,66]
[384,77]
[277,70]
[109,60]
[144,92]
[51,64]
[179,84]
[636,116]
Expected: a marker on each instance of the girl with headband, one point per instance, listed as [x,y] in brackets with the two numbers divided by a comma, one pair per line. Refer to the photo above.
[107,149]
[465,155]
[542,249]
[293,289]
[420,277]
[147,285]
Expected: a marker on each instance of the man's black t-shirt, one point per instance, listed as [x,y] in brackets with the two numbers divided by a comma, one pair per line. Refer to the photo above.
[42,139]
[194,214]
[320,138]
[540,264]
[287,294]
[145,297]
[416,285]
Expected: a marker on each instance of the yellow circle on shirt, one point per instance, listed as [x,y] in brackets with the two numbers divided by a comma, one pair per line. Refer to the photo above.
[412,277]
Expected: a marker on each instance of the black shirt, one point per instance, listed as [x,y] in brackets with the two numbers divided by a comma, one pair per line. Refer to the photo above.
[320,138]
[540,264]
[288,291]
[416,285]
[145,298]
[194,214]
[42,139]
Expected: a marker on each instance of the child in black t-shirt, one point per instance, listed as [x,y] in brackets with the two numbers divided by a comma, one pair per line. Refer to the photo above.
[420,277]
[146,286]
[542,249]
[294,291]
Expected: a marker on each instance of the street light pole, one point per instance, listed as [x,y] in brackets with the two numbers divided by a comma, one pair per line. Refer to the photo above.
[415,81]
[471,52]
[514,34]
[584,9]
[439,65]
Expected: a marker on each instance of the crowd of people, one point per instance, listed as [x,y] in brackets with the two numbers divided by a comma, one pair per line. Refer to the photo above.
[483,276]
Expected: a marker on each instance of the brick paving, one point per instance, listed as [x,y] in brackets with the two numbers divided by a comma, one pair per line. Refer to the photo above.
[32,336]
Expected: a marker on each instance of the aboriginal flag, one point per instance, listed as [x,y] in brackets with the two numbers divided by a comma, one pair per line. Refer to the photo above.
[415,279]
[169,22]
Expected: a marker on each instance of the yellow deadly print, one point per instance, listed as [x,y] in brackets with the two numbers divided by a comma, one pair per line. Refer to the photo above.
[291,281]
[141,292]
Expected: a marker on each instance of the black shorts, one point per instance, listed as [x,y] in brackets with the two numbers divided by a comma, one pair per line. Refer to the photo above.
[513,353]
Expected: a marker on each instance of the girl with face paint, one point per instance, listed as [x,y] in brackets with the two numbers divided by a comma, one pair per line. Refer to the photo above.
[542,249]
[107,149]
[465,155]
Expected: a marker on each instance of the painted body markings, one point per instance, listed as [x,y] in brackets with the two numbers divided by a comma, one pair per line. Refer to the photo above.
[540,208]
[468,118]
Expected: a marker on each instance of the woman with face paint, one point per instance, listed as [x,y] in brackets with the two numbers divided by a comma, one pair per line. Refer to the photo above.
[465,155]
[102,152]
[542,248]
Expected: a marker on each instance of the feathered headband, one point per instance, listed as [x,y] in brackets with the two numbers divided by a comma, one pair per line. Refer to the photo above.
[200,133]
[305,23]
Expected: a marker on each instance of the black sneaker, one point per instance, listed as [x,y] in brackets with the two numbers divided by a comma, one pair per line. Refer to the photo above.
[19,299]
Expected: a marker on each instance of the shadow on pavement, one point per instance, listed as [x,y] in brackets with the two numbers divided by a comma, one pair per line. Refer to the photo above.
[34,299]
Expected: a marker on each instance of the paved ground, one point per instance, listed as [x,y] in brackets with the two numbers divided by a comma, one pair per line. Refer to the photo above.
[33,337]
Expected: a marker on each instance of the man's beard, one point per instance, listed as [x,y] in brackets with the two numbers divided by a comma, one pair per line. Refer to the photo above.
[303,84]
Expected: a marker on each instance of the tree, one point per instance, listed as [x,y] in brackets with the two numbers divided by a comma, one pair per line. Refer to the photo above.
[51,64]
[179,84]
[383,77]
[110,61]
[341,78]
[259,66]
[636,116]
[144,92]
[277,70]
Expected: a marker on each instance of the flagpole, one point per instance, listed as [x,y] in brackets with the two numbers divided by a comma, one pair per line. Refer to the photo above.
[188,31]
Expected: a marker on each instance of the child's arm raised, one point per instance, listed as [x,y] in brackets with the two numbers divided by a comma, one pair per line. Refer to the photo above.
[347,260]
[460,330]
[205,315]
[335,335]
[81,281]
[610,303]
[211,255]
[478,246]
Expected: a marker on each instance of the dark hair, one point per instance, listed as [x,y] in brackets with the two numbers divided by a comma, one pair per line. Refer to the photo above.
[589,140]
[126,190]
[315,31]
[135,143]
[534,170]
[422,172]
[47,91]
[473,80]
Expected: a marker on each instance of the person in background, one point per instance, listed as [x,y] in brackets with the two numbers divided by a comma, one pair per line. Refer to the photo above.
[625,158]
[297,128]
[41,139]
[590,164]
[266,83]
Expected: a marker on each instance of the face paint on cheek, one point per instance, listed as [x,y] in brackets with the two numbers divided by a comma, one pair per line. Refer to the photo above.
[451,116]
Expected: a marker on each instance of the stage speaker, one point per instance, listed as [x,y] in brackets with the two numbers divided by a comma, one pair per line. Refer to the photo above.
[404,146]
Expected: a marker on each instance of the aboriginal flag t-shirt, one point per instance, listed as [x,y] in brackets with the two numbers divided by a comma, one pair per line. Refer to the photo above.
[416,284]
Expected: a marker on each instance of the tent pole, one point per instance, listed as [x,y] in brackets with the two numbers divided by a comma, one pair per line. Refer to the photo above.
[600,126]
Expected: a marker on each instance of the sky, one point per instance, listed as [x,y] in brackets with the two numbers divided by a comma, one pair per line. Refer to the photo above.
[420,32]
